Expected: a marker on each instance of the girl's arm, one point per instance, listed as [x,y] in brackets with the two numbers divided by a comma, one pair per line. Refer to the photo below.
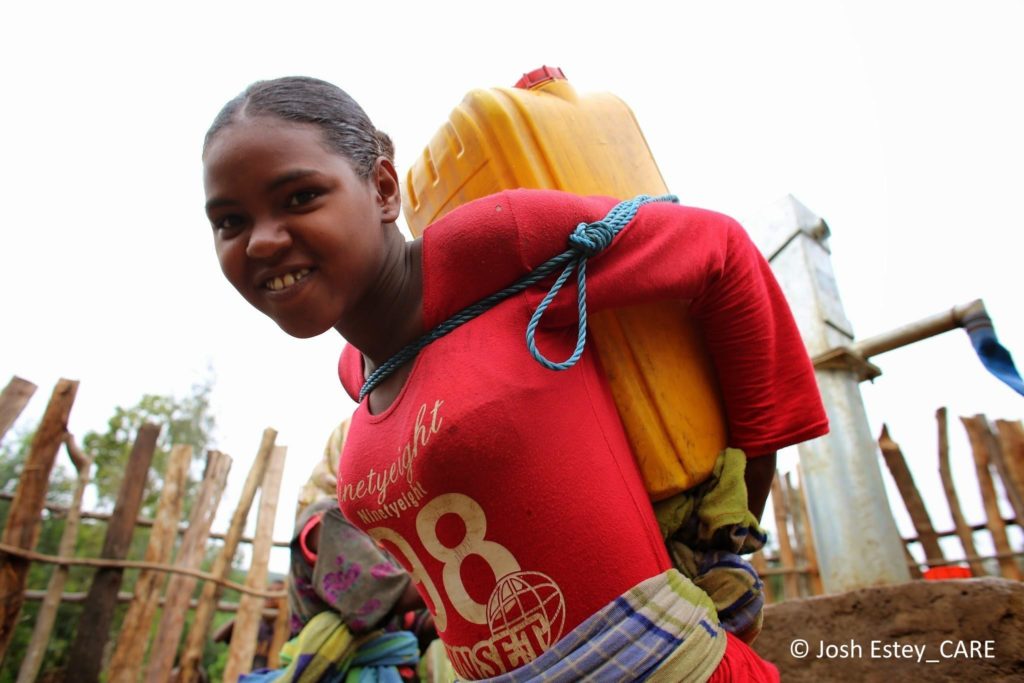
[758,477]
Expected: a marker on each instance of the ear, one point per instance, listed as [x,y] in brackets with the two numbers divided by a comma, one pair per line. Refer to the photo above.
[389,192]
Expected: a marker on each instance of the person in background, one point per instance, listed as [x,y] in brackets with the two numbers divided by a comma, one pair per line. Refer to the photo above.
[265,633]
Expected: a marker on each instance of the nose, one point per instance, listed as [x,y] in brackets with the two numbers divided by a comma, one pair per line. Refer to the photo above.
[268,239]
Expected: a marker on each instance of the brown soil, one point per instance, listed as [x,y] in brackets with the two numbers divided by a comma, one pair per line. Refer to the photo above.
[970,630]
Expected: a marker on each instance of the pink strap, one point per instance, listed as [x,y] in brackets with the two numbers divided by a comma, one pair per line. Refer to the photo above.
[313,522]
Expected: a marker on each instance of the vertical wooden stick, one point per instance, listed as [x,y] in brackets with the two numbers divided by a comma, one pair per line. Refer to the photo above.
[13,400]
[87,649]
[977,428]
[47,615]
[250,608]
[1013,492]
[22,527]
[197,635]
[915,569]
[963,529]
[796,515]
[817,588]
[1011,439]
[789,579]
[126,663]
[911,497]
[190,555]
[282,628]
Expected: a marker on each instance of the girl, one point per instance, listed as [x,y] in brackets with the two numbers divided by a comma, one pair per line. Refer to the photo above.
[508,491]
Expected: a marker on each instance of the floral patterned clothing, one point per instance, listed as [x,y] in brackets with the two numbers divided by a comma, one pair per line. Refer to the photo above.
[348,574]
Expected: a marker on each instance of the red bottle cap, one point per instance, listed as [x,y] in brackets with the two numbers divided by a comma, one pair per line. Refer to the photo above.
[539,76]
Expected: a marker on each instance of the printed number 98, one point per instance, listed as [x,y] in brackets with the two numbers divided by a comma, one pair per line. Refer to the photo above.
[497,556]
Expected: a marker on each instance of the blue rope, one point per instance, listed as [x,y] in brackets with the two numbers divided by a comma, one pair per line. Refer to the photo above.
[588,239]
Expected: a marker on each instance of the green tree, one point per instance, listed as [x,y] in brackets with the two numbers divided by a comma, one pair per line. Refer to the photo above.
[184,421]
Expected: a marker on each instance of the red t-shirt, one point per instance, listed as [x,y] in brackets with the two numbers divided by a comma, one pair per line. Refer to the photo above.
[508,490]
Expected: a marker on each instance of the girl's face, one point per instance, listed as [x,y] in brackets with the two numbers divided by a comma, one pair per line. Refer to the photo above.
[298,233]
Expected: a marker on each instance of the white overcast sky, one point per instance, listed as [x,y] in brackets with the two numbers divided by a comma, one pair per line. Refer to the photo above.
[900,123]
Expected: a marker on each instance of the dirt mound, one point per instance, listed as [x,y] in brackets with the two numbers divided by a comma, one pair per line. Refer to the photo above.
[963,630]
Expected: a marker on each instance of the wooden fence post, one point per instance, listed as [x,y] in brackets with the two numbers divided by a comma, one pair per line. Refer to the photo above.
[47,614]
[912,565]
[977,429]
[789,579]
[814,575]
[190,555]
[22,528]
[963,529]
[911,497]
[1008,476]
[197,635]
[126,663]
[1011,438]
[87,649]
[250,608]
[13,400]
[282,629]
[797,539]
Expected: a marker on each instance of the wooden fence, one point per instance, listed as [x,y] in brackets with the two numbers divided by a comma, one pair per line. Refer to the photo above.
[790,566]
[168,584]
[163,583]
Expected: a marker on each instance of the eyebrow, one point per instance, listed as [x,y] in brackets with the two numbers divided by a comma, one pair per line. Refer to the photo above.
[288,177]
[277,182]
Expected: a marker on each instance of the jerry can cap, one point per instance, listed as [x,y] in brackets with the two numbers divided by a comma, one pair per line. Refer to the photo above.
[532,79]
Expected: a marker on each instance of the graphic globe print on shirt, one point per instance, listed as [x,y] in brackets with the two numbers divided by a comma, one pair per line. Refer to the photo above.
[525,604]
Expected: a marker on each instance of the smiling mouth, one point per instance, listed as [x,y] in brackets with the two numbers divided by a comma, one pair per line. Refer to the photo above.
[276,284]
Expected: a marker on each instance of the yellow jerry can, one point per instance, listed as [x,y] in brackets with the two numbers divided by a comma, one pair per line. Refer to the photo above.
[542,134]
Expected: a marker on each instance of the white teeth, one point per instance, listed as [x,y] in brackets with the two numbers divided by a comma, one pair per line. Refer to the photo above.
[276,284]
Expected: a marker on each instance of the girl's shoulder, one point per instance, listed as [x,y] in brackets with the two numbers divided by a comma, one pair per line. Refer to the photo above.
[496,238]
[523,209]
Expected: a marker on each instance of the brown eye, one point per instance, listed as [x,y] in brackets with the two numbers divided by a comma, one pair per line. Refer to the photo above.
[229,224]
[301,198]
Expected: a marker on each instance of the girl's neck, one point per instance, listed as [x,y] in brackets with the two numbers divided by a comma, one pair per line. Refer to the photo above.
[391,316]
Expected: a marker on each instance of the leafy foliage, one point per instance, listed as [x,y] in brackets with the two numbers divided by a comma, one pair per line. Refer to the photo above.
[185,421]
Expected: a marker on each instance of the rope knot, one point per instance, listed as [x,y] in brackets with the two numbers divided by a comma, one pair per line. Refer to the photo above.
[591,239]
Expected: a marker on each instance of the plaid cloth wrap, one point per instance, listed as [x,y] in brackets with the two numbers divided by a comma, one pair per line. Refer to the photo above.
[706,529]
[663,629]
[325,651]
